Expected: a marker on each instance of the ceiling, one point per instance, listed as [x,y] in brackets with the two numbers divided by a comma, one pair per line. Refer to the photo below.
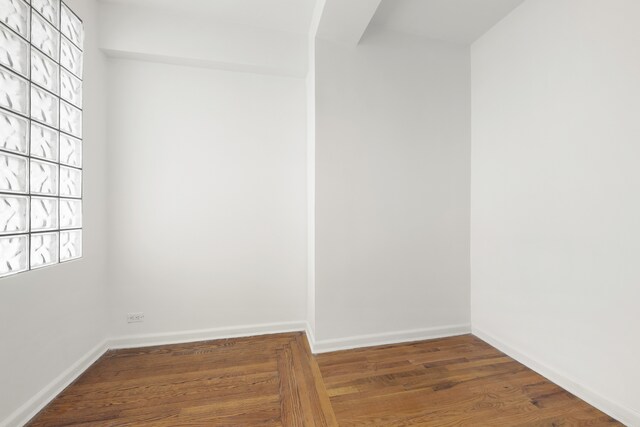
[455,21]
[282,15]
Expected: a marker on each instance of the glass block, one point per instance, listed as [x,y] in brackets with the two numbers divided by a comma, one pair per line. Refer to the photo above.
[70,245]
[44,178]
[70,151]
[71,58]
[70,119]
[71,26]
[14,254]
[70,88]
[44,107]
[14,52]
[44,71]
[14,133]
[45,37]
[70,213]
[13,173]
[48,8]
[44,142]
[15,15]
[14,217]
[70,182]
[44,249]
[44,214]
[14,92]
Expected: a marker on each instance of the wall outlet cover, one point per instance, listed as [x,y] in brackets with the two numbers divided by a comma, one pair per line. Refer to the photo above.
[135,317]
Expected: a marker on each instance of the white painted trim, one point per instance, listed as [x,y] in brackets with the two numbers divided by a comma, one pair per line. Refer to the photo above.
[147,340]
[311,338]
[347,343]
[29,409]
[625,415]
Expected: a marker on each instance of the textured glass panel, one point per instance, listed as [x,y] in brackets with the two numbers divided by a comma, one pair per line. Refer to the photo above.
[70,182]
[71,57]
[70,245]
[14,218]
[70,151]
[70,88]
[13,173]
[44,249]
[72,27]
[47,8]
[15,14]
[44,142]
[14,132]
[70,119]
[70,213]
[44,71]
[14,254]
[44,178]
[44,107]
[45,37]
[44,213]
[41,66]
[14,92]
[14,52]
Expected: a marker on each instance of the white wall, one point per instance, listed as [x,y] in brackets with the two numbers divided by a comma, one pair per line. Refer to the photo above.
[179,37]
[207,196]
[555,232]
[51,318]
[392,188]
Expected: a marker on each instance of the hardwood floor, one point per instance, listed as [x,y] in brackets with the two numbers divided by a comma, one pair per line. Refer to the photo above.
[275,381]
[259,381]
[446,382]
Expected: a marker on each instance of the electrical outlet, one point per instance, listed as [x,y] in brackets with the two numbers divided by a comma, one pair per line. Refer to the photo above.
[135,317]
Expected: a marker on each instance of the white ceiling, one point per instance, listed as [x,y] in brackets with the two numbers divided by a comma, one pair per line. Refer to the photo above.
[345,21]
[281,15]
[456,21]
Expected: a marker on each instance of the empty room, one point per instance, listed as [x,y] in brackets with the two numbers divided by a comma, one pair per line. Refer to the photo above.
[319,213]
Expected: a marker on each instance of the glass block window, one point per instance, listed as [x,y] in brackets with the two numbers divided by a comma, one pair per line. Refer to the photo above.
[41,45]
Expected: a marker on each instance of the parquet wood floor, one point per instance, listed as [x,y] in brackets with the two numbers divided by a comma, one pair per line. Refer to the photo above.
[274,380]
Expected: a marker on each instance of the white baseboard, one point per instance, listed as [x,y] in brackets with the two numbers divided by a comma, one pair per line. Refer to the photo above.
[147,340]
[34,405]
[325,346]
[311,338]
[624,415]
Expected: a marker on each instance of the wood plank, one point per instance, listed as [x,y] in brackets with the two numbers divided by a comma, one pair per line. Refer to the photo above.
[290,406]
[328,417]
